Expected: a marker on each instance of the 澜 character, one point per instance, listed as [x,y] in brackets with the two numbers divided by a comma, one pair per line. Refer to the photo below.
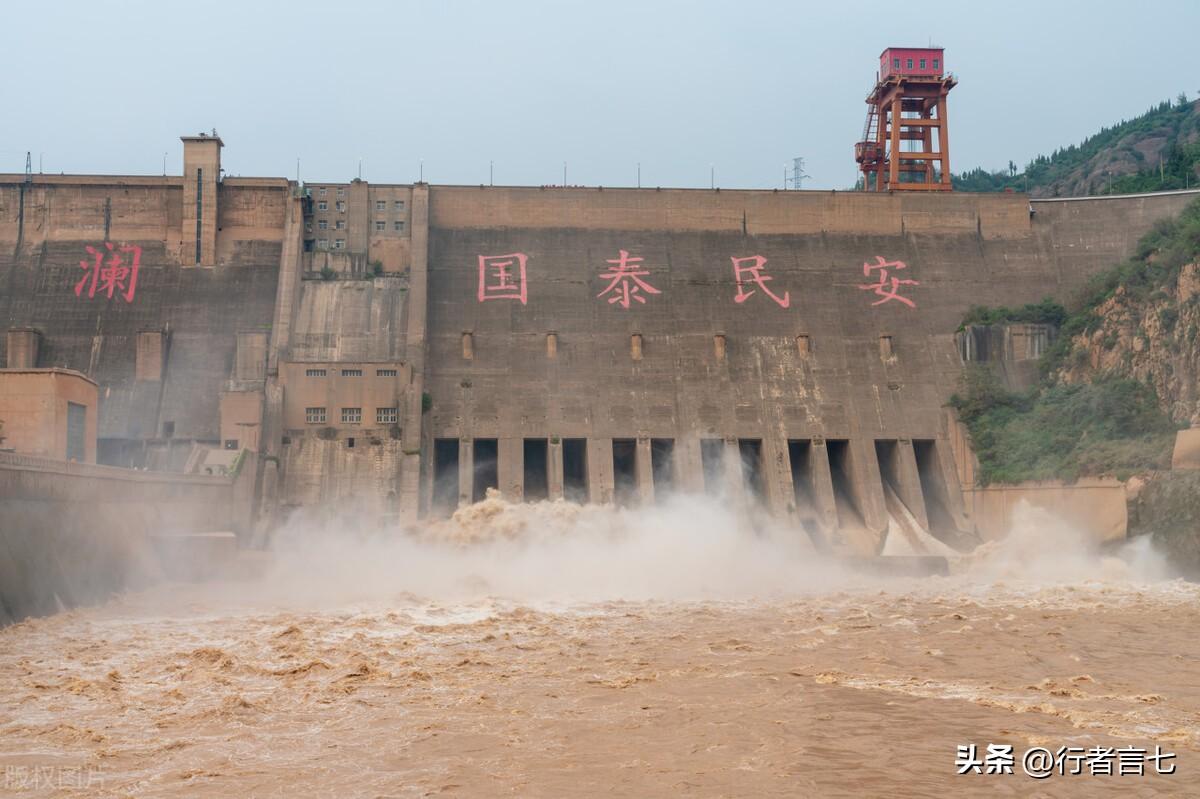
[625,280]
[888,287]
[754,274]
[496,276]
[113,275]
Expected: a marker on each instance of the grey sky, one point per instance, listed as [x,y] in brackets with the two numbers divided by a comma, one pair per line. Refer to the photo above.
[107,87]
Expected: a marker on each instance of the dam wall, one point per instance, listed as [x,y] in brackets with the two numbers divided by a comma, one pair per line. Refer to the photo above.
[73,534]
[94,265]
[404,348]
[795,345]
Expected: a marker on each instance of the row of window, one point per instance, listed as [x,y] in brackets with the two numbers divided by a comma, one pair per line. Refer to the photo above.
[323,191]
[350,373]
[896,63]
[380,225]
[351,415]
[340,205]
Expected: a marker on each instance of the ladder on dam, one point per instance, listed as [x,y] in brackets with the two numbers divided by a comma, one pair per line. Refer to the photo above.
[871,126]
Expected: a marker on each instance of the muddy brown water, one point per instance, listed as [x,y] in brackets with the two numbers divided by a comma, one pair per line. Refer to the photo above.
[667,658]
[173,692]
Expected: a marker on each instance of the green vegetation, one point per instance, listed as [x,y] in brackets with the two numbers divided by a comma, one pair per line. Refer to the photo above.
[1175,123]
[1048,311]
[235,468]
[377,267]
[327,273]
[1112,425]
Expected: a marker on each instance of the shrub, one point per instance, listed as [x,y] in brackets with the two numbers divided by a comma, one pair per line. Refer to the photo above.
[1112,426]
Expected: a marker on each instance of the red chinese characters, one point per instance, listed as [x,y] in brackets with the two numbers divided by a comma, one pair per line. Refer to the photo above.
[888,286]
[118,274]
[753,274]
[625,281]
[502,277]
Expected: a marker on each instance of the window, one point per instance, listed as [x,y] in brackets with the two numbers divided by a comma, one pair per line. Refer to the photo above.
[922,63]
[895,63]
[351,415]
[352,373]
[399,205]
[314,372]
[935,63]
[380,225]
[231,443]
[341,204]
[341,224]
[77,431]
[399,226]
[322,191]
[322,244]
[322,205]
[323,224]
[341,193]
[339,244]
[381,205]
[909,62]
[308,227]
[385,416]
[314,416]
[385,372]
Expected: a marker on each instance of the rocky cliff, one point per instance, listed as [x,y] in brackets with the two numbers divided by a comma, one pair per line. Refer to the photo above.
[1153,338]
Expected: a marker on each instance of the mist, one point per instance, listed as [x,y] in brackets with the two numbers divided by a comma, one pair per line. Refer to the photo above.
[687,547]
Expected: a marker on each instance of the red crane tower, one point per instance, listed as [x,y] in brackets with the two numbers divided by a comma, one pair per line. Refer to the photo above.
[905,144]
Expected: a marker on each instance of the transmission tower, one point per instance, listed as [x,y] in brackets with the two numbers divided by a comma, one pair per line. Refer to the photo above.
[796,179]
[28,167]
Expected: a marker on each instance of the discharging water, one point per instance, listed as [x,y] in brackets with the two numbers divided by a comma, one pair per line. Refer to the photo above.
[556,651]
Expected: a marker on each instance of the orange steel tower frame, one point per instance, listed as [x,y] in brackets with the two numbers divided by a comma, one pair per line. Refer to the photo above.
[906,136]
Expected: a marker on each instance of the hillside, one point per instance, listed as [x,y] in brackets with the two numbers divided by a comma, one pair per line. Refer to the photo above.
[1122,377]
[1156,151]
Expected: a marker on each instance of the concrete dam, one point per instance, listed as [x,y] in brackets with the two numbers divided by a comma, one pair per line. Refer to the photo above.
[394,351]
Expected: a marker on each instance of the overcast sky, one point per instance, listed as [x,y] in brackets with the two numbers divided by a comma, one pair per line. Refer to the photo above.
[739,87]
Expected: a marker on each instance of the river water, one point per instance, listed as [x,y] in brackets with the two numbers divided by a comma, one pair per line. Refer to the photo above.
[562,652]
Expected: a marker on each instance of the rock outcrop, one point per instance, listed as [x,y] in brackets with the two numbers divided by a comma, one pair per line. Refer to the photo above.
[1153,339]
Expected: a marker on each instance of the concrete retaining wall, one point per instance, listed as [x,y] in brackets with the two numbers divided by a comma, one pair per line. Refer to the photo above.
[73,534]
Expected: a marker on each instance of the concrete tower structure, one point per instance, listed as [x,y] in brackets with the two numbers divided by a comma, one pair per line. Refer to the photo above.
[201,177]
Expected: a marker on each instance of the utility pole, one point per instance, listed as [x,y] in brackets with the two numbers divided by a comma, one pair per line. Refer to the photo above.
[639,174]
[712,176]
[564,174]
[491,173]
